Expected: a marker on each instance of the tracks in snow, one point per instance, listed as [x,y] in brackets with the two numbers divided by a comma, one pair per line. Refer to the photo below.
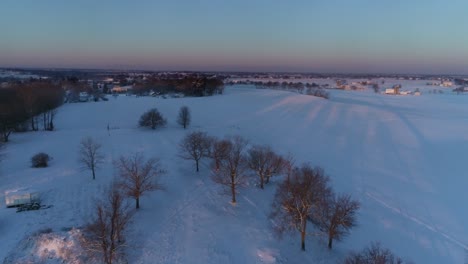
[417,221]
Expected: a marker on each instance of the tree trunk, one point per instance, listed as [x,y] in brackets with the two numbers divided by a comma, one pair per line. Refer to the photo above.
[261,182]
[36,121]
[137,203]
[94,174]
[233,190]
[33,127]
[330,241]
[196,161]
[303,234]
[303,240]
[44,121]
[106,258]
[6,136]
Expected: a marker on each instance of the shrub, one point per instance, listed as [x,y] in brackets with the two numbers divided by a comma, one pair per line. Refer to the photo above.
[40,160]
[374,254]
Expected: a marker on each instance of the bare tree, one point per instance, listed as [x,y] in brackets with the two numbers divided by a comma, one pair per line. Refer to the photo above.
[30,103]
[152,118]
[219,151]
[376,87]
[195,146]
[138,176]
[104,237]
[49,101]
[90,155]
[374,254]
[336,216]
[11,115]
[297,198]
[265,163]
[184,117]
[232,172]
[48,119]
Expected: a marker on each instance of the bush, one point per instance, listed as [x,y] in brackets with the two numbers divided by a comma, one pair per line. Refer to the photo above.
[152,118]
[40,160]
[374,254]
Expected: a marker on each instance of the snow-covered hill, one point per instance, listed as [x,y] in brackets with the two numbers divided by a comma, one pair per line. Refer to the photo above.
[404,158]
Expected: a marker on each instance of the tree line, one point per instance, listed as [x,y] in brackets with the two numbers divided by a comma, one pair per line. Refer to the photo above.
[29,106]
[304,197]
[312,89]
[191,85]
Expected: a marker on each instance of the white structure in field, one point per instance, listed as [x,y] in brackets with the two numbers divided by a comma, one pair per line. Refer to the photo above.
[390,91]
[17,198]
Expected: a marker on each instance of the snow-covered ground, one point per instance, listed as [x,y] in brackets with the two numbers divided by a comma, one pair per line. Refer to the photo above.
[403,157]
[406,85]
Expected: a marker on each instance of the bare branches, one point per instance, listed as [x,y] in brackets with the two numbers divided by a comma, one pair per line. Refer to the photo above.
[104,236]
[90,155]
[138,175]
[265,163]
[195,146]
[297,198]
[232,171]
[219,151]
[374,254]
[335,216]
[184,117]
[11,115]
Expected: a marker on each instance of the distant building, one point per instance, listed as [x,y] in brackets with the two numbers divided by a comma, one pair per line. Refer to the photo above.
[389,91]
[446,84]
[83,97]
[342,84]
[121,89]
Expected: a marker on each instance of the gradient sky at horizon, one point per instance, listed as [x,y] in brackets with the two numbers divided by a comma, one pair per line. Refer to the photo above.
[359,36]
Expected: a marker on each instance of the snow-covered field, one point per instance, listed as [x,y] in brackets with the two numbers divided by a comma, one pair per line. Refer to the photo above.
[403,157]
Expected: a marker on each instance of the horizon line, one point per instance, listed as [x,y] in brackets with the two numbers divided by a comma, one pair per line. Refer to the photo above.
[227,71]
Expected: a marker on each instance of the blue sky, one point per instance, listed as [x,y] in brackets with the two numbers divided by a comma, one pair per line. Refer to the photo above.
[411,36]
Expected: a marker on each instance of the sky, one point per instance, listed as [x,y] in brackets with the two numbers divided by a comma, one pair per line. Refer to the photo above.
[355,36]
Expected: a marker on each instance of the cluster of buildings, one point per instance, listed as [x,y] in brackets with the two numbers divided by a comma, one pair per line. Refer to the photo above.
[355,86]
[441,83]
[396,89]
